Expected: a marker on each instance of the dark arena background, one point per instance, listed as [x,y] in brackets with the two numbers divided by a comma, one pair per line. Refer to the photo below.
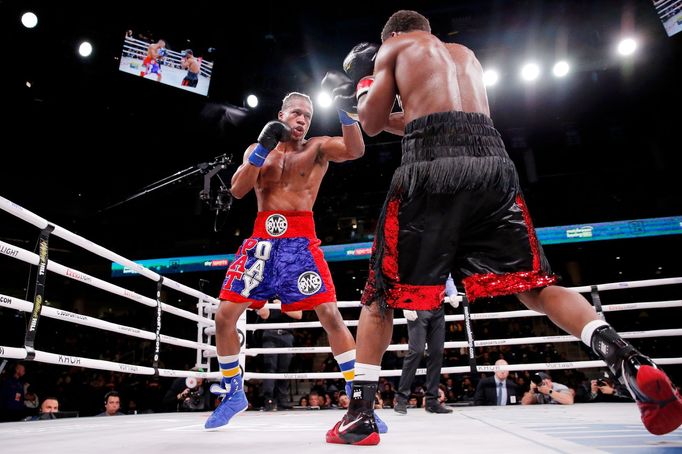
[138,168]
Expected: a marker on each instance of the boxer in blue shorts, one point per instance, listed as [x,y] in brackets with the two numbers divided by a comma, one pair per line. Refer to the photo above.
[155,52]
[282,258]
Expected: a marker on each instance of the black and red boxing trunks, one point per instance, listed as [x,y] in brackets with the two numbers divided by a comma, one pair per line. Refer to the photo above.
[454,206]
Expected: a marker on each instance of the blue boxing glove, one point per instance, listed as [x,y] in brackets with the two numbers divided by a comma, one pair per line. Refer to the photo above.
[342,88]
[273,133]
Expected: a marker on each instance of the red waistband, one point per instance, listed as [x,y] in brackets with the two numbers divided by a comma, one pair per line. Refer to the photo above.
[284,224]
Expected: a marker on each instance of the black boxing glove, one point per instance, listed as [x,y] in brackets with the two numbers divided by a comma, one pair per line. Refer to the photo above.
[360,61]
[272,133]
[342,91]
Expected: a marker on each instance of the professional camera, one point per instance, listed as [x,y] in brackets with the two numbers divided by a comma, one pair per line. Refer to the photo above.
[195,395]
[602,382]
[537,379]
[194,398]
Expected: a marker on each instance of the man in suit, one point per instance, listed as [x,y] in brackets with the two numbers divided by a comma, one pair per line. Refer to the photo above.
[497,390]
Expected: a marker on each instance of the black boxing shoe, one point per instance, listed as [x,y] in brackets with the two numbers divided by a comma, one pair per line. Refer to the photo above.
[659,401]
[359,430]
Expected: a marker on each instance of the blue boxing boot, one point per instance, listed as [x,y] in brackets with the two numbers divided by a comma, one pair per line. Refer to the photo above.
[234,402]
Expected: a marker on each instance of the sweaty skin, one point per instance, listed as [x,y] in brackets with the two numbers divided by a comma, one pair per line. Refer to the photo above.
[291,176]
[290,179]
[153,50]
[429,75]
[191,64]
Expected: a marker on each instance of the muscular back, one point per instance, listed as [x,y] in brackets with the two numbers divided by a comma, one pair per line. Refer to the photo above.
[431,76]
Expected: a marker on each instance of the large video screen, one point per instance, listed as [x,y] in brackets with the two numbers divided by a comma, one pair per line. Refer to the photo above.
[670,12]
[156,60]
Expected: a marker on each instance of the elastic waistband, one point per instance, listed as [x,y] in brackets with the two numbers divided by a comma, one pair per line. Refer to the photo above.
[451,135]
[455,116]
[284,224]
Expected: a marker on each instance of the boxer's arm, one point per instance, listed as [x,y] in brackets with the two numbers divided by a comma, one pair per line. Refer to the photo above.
[374,107]
[396,124]
[350,146]
[244,179]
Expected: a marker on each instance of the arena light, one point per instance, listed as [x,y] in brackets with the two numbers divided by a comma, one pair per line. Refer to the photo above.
[490,77]
[561,68]
[530,72]
[252,101]
[324,100]
[627,46]
[85,49]
[29,20]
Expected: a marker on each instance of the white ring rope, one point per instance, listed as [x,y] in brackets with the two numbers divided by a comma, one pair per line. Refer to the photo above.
[52,358]
[60,314]
[29,257]
[211,309]
[88,245]
[453,370]
[477,343]
[451,318]
[209,305]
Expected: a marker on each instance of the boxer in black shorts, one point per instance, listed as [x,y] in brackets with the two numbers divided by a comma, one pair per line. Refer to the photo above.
[193,66]
[455,206]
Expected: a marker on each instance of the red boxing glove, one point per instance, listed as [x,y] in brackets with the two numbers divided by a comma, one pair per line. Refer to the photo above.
[363,86]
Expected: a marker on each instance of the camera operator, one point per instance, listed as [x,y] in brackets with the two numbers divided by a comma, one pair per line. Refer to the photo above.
[604,390]
[187,394]
[544,391]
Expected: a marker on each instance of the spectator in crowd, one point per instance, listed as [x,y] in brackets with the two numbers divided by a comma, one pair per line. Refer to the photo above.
[343,401]
[544,391]
[31,400]
[314,400]
[12,395]
[112,404]
[603,389]
[48,408]
[188,394]
[498,389]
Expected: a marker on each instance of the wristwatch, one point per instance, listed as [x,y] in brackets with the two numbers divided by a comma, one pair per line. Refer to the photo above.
[551,391]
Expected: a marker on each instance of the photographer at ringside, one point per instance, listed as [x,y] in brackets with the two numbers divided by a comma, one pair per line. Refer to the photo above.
[603,389]
[544,391]
[188,394]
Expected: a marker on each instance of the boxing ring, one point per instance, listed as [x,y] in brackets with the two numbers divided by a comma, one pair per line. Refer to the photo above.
[579,428]
[135,51]
[592,427]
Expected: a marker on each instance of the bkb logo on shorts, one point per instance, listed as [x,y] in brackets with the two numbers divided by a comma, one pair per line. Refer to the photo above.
[309,283]
[276,225]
